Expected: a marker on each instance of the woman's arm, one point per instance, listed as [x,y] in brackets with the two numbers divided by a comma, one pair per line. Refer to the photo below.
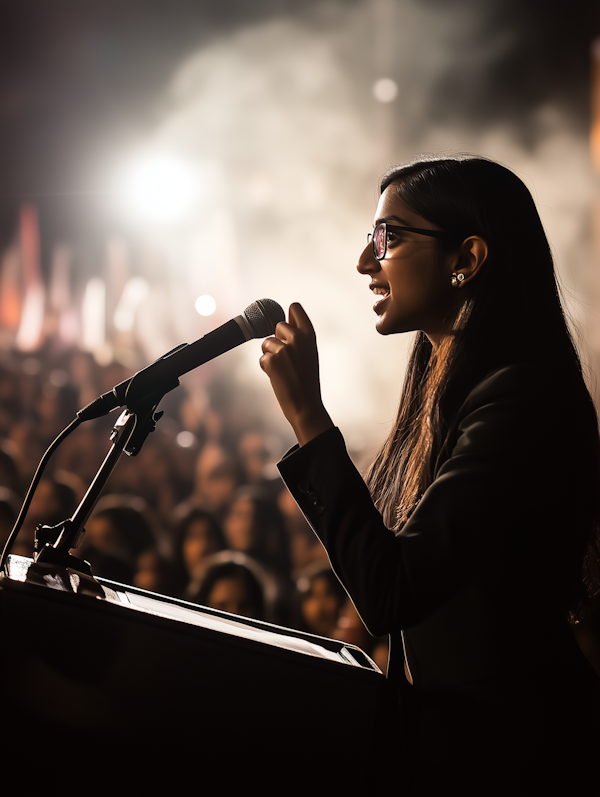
[480,513]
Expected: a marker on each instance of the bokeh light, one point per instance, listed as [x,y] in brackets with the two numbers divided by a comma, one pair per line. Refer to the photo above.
[205,305]
[385,90]
[186,439]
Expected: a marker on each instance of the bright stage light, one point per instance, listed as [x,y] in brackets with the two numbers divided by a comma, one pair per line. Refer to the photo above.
[205,305]
[160,188]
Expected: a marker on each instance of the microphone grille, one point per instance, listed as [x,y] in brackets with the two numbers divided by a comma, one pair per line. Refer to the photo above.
[263,316]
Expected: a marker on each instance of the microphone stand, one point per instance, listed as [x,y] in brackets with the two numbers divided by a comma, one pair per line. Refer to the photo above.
[53,566]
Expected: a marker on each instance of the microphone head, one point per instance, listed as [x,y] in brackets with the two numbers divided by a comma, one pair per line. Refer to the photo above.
[263,316]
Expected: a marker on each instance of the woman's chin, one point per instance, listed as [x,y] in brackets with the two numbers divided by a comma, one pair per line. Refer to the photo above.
[382,327]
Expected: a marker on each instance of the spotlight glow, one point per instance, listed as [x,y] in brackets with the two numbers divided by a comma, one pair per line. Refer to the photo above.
[205,305]
[160,188]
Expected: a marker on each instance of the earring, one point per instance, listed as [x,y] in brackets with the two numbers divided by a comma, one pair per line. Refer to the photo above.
[457,278]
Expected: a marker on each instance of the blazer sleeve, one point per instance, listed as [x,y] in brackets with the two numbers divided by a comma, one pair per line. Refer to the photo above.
[458,527]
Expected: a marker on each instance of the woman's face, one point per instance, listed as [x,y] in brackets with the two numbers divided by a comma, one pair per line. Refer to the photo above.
[230,595]
[321,607]
[239,525]
[412,284]
[199,542]
[148,575]
[101,533]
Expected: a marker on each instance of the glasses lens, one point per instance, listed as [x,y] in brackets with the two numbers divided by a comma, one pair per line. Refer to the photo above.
[379,241]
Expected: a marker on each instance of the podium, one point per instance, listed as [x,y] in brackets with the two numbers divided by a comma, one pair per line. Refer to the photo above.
[138,693]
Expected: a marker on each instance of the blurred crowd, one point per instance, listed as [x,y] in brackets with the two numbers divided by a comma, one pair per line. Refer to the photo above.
[199,514]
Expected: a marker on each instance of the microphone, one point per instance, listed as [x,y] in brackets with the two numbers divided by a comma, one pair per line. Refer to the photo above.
[257,321]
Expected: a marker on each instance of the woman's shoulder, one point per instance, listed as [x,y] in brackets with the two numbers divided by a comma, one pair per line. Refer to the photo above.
[523,400]
[507,379]
[524,415]
[509,390]
[526,382]
[528,407]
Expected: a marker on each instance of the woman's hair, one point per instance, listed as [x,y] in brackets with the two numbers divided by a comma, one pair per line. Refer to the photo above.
[304,590]
[270,544]
[228,565]
[129,515]
[510,304]
[183,525]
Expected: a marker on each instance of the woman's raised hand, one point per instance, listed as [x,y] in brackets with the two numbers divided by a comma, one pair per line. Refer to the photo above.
[291,362]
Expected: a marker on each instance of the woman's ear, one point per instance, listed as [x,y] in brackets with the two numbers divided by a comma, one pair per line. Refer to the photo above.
[472,255]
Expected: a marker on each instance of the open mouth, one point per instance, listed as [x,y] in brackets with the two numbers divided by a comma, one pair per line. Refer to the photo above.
[380,292]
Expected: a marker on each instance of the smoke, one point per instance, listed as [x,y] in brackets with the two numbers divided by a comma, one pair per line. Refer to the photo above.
[288,142]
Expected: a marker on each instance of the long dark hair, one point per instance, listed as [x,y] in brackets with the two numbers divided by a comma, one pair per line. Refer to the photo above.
[270,542]
[510,305]
[237,568]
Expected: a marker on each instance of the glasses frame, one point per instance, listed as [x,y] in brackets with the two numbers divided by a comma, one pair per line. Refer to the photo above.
[441,234]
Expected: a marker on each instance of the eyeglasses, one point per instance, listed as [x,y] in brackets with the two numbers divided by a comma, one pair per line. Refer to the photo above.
[379,236]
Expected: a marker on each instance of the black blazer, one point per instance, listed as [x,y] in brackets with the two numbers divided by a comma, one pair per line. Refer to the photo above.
[478,581]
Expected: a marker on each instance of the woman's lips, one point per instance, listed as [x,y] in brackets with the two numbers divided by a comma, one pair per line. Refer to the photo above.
[381,294]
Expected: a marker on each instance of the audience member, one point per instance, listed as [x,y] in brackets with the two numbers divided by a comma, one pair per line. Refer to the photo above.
[117,533]
[217,476]
[54,501]
[9,510]
[255,526]
[196,536]
[320,598]
[155,573]
[234,583]
[305,548]
[259,470]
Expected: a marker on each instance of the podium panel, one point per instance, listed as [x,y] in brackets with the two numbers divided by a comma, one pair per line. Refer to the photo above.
[138,693]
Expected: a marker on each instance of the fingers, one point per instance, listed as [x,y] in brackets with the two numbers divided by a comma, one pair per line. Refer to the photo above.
[292,343]
[299,319]
[291,362]
[264,363]
[272,345]
[286,332]
[298,322]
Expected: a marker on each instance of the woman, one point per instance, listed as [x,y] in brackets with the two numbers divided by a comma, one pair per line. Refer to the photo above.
[476,532]
[196,535]
[255,526]
[232,582]
[320,599]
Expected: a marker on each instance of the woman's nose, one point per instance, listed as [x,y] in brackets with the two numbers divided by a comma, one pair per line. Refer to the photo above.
[367,263]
